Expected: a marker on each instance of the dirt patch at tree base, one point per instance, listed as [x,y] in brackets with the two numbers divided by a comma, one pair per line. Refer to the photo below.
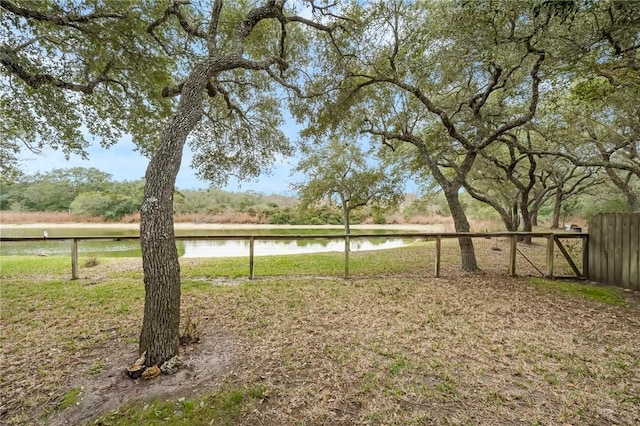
[205,366]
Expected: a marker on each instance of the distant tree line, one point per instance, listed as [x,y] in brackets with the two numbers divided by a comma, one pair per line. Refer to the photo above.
[91,192]
[79,190]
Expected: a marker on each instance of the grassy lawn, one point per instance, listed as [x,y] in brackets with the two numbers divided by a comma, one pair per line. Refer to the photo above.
[392,345]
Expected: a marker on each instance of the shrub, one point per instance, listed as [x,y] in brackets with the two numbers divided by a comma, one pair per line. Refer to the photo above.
[91,262]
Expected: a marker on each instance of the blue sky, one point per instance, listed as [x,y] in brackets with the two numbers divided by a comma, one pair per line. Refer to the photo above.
[123,163]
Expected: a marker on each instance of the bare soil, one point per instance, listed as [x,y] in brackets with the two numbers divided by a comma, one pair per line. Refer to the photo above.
[205,367]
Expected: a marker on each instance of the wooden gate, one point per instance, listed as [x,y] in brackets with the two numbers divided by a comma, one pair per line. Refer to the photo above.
[614,249]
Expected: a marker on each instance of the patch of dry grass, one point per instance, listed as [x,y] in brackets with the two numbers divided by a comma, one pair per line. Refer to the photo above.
[20,217]
[51,331]
[470,350]
[223,217]
[400,347]
[227,217]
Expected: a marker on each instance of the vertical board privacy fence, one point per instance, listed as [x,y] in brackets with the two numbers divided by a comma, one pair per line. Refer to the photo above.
[614,249]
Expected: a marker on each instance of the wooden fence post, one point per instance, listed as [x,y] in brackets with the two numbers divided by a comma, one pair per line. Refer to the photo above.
[513,248]
[550,246]
[438,252]
[74,259]
[251,248]
[585,257]
[347,248]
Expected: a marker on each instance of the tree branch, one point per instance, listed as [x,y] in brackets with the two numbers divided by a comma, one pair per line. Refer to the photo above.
[169,92]
[174,10]
[38,80]
[478,101]
[212,32]
[272,9]
[62,20]
[533,103]
[231,106]
[423,98]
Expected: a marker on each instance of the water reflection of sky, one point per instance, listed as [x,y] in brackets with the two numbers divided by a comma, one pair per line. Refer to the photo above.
[239,248]
[63,248]
[197,248]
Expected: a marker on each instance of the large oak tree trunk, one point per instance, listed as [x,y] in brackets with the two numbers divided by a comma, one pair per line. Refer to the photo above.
[450,189]
[160,333]
[557,204]
[467,252]
[346,212]
[345,215]
[506,216]
[527,225]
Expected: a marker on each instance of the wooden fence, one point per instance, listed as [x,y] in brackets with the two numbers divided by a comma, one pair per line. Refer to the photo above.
[614,249]
[553,240]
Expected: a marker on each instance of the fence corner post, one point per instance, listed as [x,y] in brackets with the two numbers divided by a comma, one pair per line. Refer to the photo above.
[513,248]
[550,246]
[74,259]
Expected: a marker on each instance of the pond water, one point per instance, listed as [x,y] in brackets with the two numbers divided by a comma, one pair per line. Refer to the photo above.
[187,248]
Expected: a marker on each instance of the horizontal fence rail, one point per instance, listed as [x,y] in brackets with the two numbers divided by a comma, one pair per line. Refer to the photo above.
[552,240]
